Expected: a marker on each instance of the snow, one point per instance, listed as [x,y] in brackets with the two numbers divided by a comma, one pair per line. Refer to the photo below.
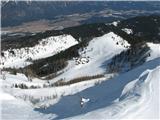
[6,96]
[133,94]
[19,110]
[139,98]
[130,95]
[45,48]
[128,31]
[115,23]
[148,90]
[50,91]
[12,108]
[154,51]
[95,56]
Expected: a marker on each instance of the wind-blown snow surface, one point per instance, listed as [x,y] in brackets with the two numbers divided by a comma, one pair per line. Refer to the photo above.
[95,56]
[131,95]
[45,48]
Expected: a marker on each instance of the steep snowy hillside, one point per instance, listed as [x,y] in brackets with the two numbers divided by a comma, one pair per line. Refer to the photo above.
[93,71]
[95,56]
[14,109]
[45,48]
[139,98]
[131,95]
[154,51]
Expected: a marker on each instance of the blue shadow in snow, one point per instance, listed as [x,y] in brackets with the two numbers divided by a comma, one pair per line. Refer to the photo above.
[100,96]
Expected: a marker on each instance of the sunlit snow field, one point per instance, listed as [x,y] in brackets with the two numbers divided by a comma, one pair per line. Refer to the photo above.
[134,94]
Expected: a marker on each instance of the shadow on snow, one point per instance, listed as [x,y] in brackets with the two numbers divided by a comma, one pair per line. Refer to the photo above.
[101,95]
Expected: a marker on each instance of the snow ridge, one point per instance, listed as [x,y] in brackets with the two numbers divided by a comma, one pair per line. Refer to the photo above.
[45,48]
[92,57]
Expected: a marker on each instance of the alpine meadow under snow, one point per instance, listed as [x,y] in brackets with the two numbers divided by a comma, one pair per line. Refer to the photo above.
[101,62]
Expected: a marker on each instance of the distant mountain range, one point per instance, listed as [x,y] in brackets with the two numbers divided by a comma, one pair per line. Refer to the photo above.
[18,12]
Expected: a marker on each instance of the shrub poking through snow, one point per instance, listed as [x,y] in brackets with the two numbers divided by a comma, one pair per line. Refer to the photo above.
[60,82]
[76,80]
[24,86]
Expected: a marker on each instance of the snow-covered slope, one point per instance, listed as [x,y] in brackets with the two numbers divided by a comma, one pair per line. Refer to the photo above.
[45,48]
[15,109]
[131,95]
[128,31]
[95,56]
[154,51]
[143,96]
